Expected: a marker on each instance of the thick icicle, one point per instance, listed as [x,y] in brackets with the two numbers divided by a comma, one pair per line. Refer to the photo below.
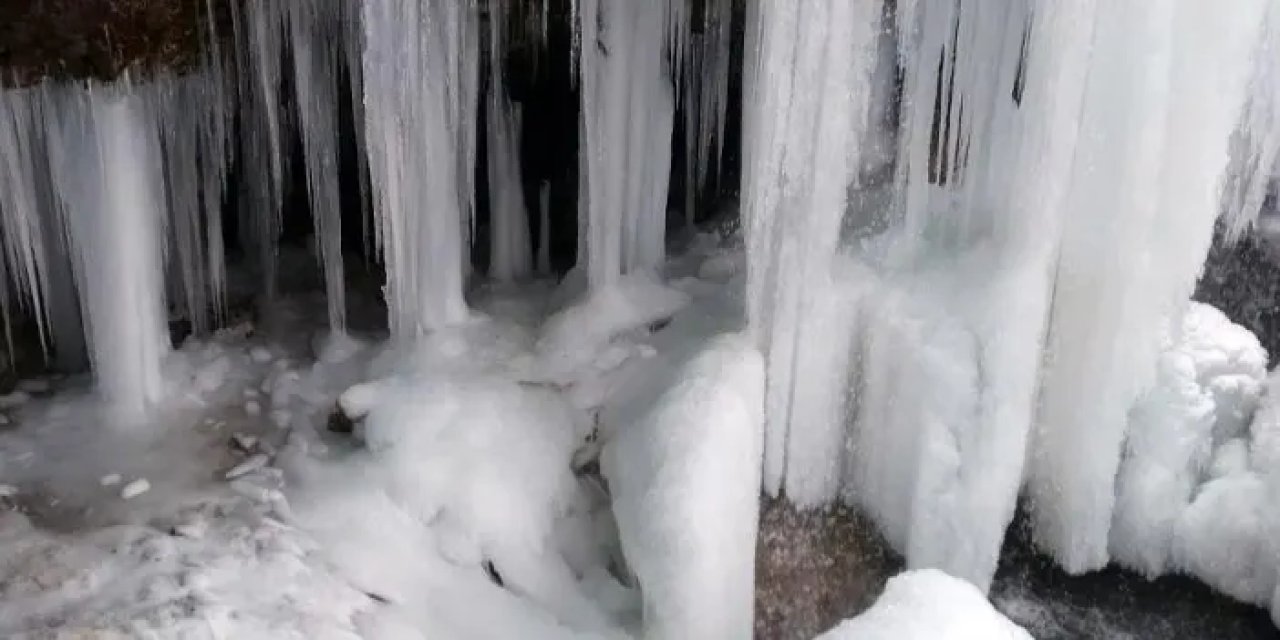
[627,52]
[420,80]
[1165,92]
[807,104]
[510,254]
[316,34]
[105,156]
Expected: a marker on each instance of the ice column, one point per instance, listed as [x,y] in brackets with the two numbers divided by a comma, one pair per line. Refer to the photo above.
[106,161]
[627,53]
[420,88]
[806,106]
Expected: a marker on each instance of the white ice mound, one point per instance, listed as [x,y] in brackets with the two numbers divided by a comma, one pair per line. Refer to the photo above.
[928,605]
[685,478]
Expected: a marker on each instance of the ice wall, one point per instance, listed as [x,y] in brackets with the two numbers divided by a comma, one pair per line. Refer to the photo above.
[1050,208]
[1165,91]
[628,51]
[420,98]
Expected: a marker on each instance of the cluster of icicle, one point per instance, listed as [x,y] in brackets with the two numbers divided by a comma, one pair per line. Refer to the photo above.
[416,72]
[1059,171]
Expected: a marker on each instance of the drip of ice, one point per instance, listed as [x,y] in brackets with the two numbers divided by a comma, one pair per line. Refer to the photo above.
[420,90]
[627,53]
[511,256]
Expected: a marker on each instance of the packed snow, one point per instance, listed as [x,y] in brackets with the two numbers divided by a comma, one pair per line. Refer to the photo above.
[929,605]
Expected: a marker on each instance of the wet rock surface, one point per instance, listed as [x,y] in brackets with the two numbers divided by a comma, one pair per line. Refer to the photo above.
[1115,603]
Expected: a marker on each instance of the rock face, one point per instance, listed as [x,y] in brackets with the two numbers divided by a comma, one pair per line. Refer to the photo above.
[102,38]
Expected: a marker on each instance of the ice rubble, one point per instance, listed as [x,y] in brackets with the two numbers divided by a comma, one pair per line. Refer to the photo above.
[928,604]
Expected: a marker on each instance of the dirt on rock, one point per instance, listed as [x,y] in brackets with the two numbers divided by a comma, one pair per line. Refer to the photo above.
[102,38]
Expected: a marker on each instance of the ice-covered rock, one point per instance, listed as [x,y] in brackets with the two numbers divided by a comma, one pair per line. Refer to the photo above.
[685,478]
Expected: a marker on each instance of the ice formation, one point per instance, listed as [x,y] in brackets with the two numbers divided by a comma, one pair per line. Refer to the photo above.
[420,71]
[696,443]
[106,165]
[1196,492]
[1047,199]
[1210,378]
[317,34]
[796,174]
[628,60]
[928,605]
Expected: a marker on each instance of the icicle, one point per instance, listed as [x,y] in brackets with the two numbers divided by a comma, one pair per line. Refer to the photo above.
[627,120]
[420,81]
[22,198]
[315,34]
[1165,92]
[510,256]
[1256,157]
[259,33]
[801,159]
[106,162]
[544,229]
[191,116]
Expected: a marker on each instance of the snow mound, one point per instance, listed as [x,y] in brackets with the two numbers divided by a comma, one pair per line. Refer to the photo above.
[685,479]
[572,337]
[484,462]
[1208,382]
[928,604]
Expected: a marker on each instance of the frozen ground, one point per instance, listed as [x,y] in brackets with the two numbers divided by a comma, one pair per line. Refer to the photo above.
[470,499]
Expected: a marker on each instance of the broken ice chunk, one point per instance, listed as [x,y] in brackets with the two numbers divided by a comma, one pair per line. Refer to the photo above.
[135,489]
